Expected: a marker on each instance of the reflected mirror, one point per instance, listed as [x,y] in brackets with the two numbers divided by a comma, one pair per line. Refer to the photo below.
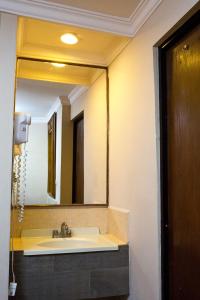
[62,153]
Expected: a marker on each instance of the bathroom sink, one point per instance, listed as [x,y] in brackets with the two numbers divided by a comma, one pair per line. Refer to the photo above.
[66,242]
[82,240]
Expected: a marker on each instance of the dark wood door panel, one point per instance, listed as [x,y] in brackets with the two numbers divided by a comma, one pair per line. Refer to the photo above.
[78,161]
[183,166]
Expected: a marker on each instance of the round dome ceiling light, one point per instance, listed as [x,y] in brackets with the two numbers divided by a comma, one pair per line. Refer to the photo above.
[58,65]
[69,38]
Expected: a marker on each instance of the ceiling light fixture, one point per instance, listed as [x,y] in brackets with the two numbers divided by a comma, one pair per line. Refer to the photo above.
[58,65]
[69,38]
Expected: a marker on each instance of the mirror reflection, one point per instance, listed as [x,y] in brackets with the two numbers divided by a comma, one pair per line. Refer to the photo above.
[66,145]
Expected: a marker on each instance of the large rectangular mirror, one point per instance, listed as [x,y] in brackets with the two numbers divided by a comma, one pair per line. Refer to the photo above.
[63,160]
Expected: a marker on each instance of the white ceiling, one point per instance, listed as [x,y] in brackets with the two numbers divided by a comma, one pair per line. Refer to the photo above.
[119,8]
[38,97]
[116,16]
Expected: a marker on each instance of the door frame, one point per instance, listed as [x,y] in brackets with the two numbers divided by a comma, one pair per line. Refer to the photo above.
[169,39]
[78,118]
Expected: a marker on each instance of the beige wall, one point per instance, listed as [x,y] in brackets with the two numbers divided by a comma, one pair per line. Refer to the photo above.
[66,156]
[64,153]
[8,25]
[134,178]
[37,164]
[93,103]
[58,153]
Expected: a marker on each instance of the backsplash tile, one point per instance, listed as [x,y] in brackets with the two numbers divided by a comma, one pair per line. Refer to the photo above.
[118,223]
[110,220]
[35,218]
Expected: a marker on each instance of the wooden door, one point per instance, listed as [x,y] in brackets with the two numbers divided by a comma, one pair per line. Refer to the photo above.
[78,161]
[51,189]
[183,166]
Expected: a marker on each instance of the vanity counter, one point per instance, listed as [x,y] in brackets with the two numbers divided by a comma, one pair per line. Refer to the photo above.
[40,242]
[45,245]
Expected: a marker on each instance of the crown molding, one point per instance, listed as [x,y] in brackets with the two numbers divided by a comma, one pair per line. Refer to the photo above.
[53,109]
[64,100]
[76,92]
[141,14]
[79,17]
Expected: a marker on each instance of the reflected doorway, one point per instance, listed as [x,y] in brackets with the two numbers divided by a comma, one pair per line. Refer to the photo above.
[78,160]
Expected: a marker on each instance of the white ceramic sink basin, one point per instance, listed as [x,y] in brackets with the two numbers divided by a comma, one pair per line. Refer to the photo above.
[82,240]
[66,242]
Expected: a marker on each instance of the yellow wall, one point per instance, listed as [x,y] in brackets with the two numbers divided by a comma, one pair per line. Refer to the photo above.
[134,156]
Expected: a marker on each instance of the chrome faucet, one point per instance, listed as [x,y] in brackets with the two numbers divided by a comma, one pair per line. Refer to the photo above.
[65,231]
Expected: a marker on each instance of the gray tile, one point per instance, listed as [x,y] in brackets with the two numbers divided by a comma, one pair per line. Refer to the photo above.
[72,276]
[34,264]
[69,262]
[112,298]
[72,285]
[35,286]
[110,282]
[92,260]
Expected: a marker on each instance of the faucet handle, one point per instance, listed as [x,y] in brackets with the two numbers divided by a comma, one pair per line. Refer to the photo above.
[69,232]
[64,226]
[65,230]
[55,233]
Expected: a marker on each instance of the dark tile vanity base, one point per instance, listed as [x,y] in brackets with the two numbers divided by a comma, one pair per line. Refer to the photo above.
[95,275]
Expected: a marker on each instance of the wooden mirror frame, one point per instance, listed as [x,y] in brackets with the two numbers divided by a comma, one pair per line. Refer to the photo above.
[107,133]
